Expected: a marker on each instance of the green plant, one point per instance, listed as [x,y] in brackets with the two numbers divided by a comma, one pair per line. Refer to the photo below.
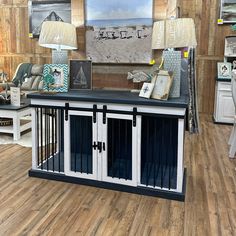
[48,79]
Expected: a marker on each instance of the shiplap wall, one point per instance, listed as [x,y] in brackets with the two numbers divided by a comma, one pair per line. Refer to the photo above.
[17,47]
[210,50]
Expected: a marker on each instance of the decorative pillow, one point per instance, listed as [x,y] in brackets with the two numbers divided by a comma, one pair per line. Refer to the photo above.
[36,81]
[37,69]
[27,84]
[40,86]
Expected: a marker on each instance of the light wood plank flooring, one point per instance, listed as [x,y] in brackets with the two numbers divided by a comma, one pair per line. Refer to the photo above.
[30,206]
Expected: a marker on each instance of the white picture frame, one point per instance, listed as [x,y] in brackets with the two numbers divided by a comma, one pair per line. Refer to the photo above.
[224,70]
[162,85]
[146,90]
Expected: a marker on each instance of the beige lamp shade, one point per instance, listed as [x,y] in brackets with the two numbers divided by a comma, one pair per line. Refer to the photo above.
[58,35]
[176,33]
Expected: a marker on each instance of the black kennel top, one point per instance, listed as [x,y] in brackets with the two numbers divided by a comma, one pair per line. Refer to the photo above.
[121,97]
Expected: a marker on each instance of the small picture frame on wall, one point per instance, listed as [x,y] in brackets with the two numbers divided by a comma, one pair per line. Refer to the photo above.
[227,12]
[224,70]
[162,85]
[55,78]
[80,74]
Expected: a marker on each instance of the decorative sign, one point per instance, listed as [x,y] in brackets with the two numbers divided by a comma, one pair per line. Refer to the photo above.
[15,96]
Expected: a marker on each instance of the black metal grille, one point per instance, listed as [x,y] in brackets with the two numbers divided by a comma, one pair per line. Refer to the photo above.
[120,148]
[50,147]
[159,152]
[81,144]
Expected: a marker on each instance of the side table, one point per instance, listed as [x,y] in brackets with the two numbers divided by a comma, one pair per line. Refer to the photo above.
[16,113]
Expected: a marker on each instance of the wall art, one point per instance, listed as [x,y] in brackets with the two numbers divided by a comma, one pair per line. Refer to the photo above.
[40,11]
[227,11]
[224,70]
[55,77]
[80,74]
[119,31]
[162,85]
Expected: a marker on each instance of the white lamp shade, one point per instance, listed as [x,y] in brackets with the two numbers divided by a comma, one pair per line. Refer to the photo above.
[58,35]
[176,33]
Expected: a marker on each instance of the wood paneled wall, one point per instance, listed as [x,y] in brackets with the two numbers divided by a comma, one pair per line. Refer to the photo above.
[17,47]
[210,50]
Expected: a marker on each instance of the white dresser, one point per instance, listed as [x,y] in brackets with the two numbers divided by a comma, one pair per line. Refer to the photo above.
[224,107]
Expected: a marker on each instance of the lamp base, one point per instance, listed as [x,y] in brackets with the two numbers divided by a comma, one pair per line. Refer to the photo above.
[59,57]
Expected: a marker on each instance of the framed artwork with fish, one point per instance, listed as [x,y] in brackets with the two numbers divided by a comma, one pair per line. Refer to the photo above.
[119,31]
[228,11]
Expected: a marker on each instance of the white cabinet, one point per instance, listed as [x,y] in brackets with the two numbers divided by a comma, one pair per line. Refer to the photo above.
[224,106]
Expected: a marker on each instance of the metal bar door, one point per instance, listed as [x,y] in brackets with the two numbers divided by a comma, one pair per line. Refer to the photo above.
[80,135]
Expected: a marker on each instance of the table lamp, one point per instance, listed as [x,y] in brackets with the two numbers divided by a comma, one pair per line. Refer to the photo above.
[60,37]
[170,34]
[174,33]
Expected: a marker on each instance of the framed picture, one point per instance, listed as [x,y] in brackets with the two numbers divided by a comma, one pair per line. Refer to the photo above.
[80,74]
[224,70]
[227,11]
[230,46]
[55,77]
[40,11]
[162,85]
[146,90]
[119,31]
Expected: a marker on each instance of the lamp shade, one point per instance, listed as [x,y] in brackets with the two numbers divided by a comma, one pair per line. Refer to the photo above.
[176,33]
[58,35]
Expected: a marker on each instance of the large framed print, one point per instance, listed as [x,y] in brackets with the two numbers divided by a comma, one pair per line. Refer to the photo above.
[227,11]
[80,74]
[40,11]
[119,31]
[55,77]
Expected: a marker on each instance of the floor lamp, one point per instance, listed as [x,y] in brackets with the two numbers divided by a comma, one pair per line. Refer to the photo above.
[60,37]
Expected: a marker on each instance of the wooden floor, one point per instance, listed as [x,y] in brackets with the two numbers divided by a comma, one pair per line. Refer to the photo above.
[30,206]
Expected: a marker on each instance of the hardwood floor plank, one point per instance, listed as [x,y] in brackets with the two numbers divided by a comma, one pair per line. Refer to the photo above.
[31,206]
